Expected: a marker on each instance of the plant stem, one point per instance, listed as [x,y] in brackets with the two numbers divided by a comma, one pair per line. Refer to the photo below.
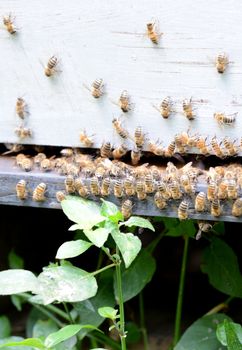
[93,343]
[220,306]
[142,321]
[68,313]
[48,314]
[121,304]
[100,259]
[102,269]
[103,339]
[180,293]
[151,247]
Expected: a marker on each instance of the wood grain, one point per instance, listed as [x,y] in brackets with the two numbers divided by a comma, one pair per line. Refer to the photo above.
[106,39]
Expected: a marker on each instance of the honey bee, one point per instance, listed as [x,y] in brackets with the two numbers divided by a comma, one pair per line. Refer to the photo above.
[140,190]
[124,101]
[222,190]
[85,140]
[183,210]
[212,191]
[21,107]
[237,207]
[19,158]
[126,208]
[139,137]
[216,148]
[38,158]
[155,148]
[200,143]
[165,108]
[21,190]
[96,88]
[203,226]
[224,119]
[70,184]
[200,202]
[105,150]
[81,188]
[13,148]
[26,164]
[180,146]
[8,22]
[175,190]
[163,190]
[60,196]
[230,147]
[153,32]
[120,151]
[170,150]
[118,188]
[50,68]
[216,209]
[39,192]
[149,184]
[105,187]
[221,62]
[135,156]
[46,164]
[94,186]
[129,187]
[155,172]
[67,152]
[232,189]
[23,132]
[188,187]
[119,129]
[187,109]
[159,201]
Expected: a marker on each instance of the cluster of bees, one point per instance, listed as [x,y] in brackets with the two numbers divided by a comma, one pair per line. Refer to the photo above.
[87,176]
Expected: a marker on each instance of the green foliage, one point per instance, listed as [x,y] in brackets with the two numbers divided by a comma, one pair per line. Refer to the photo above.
[108,312]
[13,339]
[98,237]
[177,228]
[72,249]
[138,221]
[133,333]
[17,281]
[110,211]
[135,278]
[201,335]
[15,261]
[230,335]
[5,327]
[221,265]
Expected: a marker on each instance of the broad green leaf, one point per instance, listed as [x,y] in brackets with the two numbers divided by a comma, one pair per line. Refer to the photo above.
[88,309]
[98,349]
[17,301]
[65,283]
[98,237]
[5,327]
[133,333]
[17,281]
[182,228]
[111,211]
[219,228]
[128,244]
[72,248]
[221,265]
[108,312]
[201,335]
[15,261]
[14,339]
[170,222]
[82,211]
[230,335]
[138,221]
[135,278]
[65,333]
[42,328]
[32,342]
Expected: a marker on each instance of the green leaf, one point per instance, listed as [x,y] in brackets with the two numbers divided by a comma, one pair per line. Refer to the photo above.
[108,312]
[15,261]
[170,222]
[201,335]
[5,327]
[33,342]
[133,333]
[17,281]
[219,228]
[182,228]
[42,328]
[128,244]
[230,335]
[111,211]
[65,283]
[72,248]
[88,309]
[138,221]
[98,237]
[65,333]
[14,339]
[221,265]
[135,278]
[17,301]
[83,212]
[98,349]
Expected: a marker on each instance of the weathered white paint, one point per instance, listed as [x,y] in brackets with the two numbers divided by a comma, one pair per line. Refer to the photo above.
[105,39]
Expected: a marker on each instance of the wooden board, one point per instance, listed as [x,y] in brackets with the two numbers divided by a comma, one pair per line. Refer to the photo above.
[106,39]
